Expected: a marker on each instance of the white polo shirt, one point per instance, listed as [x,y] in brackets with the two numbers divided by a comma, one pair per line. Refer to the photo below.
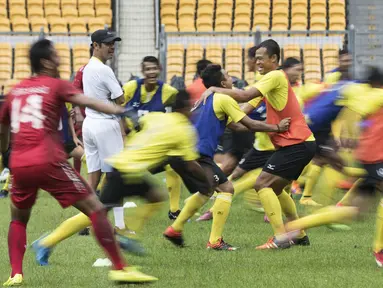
[99,82]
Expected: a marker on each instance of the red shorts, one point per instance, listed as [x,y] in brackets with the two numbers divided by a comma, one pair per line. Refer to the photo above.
[58,179]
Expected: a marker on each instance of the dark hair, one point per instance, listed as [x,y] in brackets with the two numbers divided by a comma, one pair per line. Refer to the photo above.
[375,76]
[42,49]
[182,100]
[151,59]
[251,51]
[272,48]
[212,76]
[343,51]
[201,65]
[290,62]
[91,50]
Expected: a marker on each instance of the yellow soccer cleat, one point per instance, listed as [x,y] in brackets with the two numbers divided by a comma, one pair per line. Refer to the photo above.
[130,274]
[16,280]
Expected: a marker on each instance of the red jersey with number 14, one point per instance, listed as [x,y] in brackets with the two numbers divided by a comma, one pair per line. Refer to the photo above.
[33,110]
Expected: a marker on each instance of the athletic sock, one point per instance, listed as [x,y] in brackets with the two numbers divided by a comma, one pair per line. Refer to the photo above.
[289,209]
[220,211]
[312,178]
[251,197]
[173,182]
[17,241]
[378,243]
[66,229]
[273,209]
[351,194]
[77,165]
[324,216]
[105,236]
[194,203]
[118,213]
[246,181]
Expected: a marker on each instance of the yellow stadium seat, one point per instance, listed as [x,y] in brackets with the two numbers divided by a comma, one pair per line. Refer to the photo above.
[299,23]
[329,60]
[37,23]
[243,4]
[299,3]
[65,75]
[52,13]
[281,4]
[51,4]
[292,50]
[68,4]
[171,61]
[280,23]
[337,3]
[261,3]
[58,25]
[234,70]
[176,48]
[104,3]
[234,59]
[5,60]
[23,68]
[224,14]
[5,50]
[318,12]
[225,4]
[62,48]
[35,4]
[17,12]
[80,48]
[280,12]
[3,4]
[170,24]
[78,62]
[85,4]
[189,78]
[312,61]
[242,12]
[9,83]
[313,76]
[20,25]
[222,24]
[331,47]
[330,67]
[168,12]
[299,11]
[86,13]
[205,24]
[187,3]
[261,12]
[16,3]
[186,12]
[3,12]
[22,50]
[262,23]
[174,69]
[186,26]
[169,4]
[337,11]
[318,23]
[35,13]
[69,14]
[105,13]
[206,4]
[22,61]
[96,24]
[4,25]
[234,47]
[77,26]
[242,24]
[318,3]
[205,11]
[337,23]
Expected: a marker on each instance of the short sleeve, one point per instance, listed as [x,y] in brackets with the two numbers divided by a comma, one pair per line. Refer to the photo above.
[4,113]
[169,94]
[77,82]
[129,89]
[269,82]
[228,106]
[365,104]
[112,83]
[66,90]
[255,102]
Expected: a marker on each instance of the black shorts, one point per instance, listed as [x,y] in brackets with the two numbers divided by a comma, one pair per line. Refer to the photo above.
[235,143]
[116,189]
[325,143]
[254,159]
[288,162]
[226,142]
[69,146]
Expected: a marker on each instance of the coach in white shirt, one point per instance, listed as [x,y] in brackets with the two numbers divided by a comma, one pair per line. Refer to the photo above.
[101,132]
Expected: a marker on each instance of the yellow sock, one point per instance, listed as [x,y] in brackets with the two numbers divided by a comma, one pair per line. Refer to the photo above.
[173,182]
[220,213]
[354,172]
[378,243]
[312,178]
[246,181]
[324,216]
[273,209]
[251,197]
[6,184]
[289,209]
[351,194]
[194,202]
[102,182]
[143,213]
[66,229]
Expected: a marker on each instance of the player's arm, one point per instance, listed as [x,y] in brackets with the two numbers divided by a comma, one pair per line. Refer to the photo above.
[111,82]
[247,109]
[107,108]
[238,95]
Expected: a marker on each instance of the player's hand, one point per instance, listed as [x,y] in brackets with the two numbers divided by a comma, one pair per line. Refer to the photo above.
[132,114]
[284,125]
[205,95]
[72,114]
[77,142]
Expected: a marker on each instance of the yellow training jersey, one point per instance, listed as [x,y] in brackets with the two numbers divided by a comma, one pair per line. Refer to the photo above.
[225,106]
[162,135]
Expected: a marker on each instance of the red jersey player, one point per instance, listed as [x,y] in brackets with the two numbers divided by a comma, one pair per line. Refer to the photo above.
[37,159]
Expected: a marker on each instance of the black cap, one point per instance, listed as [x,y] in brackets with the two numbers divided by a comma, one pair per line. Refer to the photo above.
[104,36]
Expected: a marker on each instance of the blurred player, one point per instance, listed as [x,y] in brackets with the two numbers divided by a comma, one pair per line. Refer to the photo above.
[32,110]
[294,149]
[197,88]
[210,120]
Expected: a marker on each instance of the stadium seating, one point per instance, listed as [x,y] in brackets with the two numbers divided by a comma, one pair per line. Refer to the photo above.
[5,25]
[38,23]
[214,53]
[58,25]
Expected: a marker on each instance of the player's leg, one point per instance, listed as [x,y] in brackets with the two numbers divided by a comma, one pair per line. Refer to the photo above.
[173,183]
[378,242]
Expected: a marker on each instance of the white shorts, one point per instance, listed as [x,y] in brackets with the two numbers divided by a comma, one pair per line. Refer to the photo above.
[102,139]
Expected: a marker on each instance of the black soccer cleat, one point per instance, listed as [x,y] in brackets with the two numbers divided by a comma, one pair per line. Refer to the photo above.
[304,241]
[173,215]
[84,232]
[4,193]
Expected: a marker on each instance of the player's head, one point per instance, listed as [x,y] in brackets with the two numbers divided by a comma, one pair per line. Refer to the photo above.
[103,44]
[375,77]
[267,56]
[345,60]
[150,69]
[251,62]
[201,65]
[293,69]
[182,103]
[44,58]
[215,75]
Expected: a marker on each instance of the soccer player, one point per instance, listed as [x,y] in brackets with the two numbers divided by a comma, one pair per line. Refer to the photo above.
[152,95]
[294,148]
[210,120]
[197,88]
[32,110]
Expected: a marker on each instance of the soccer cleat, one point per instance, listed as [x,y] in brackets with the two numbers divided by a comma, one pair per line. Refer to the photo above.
[130,275]
[304,241]
[221,245]
[131,245]
[84,232]
[3,193]
[379,258]
[345,184]
[307,201]
[174,236]
[16,280]
[207,216]
[296,188]
[273,243]
[42,253]
[173,215]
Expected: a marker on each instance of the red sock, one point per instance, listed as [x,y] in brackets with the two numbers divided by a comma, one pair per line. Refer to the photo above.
[77,165]
[17,241]
[105,237]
